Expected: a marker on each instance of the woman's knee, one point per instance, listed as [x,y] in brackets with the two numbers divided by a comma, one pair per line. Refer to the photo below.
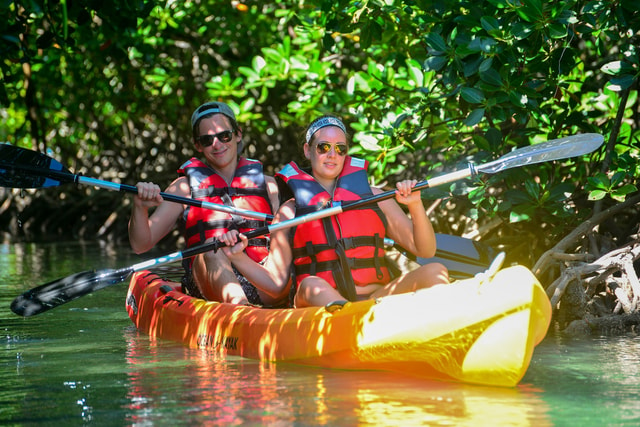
[314,290]
[436,273]
[312,285]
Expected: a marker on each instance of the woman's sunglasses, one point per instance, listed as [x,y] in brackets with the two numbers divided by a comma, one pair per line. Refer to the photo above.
[224,136]
[325,147]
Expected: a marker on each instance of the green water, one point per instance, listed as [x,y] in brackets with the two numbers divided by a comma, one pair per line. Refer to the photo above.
[84,363]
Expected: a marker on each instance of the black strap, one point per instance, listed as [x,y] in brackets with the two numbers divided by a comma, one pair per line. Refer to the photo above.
[347,242]
[377,259]
[202,226]
[342,273]
[309,251]
[331,265]
[231,191]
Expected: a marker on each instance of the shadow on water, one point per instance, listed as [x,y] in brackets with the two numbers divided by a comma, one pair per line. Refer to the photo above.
[84,363]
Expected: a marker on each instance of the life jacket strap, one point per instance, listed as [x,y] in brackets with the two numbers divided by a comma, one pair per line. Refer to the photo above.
[342,274]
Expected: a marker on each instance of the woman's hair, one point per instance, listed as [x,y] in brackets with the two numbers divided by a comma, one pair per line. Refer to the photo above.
[321,122]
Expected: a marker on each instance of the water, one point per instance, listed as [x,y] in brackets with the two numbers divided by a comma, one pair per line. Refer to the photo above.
[84,363]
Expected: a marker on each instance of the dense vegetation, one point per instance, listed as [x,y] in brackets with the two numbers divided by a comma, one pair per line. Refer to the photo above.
[107,88]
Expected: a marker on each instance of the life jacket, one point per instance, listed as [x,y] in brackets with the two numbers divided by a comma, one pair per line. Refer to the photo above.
[347,249]
[248,185]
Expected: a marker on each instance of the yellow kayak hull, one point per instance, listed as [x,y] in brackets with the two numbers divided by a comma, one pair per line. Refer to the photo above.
[472,331]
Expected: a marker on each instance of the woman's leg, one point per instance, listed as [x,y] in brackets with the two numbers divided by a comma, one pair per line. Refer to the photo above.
[422,277]
[314,291]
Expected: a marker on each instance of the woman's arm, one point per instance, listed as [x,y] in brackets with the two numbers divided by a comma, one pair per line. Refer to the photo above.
[416,234]
[272,277]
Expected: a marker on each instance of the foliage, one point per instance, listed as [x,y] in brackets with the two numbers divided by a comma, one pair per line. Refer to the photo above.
[425,85]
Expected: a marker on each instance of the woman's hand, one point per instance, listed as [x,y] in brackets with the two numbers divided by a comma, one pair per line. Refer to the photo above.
[235,243]
[404,193]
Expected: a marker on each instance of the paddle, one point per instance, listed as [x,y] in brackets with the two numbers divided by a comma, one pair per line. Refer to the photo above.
[22,168]
[53,294]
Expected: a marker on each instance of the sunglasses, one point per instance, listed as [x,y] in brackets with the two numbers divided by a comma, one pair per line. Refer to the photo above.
[224,137]
[325,147]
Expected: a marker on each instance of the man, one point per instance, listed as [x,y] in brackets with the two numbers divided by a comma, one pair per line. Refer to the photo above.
[222,177]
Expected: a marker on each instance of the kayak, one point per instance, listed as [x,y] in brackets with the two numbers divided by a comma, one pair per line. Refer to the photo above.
[481,330]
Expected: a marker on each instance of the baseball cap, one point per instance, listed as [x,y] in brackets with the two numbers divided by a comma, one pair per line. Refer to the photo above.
[212,108]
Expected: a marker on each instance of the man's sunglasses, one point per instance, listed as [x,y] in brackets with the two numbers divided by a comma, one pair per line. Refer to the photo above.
[325,147]
[224,136]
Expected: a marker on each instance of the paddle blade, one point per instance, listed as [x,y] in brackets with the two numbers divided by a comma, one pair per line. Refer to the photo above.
[22,168]
[61,291]
[562,148]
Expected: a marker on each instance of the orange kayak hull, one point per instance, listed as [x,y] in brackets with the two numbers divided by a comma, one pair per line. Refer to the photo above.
[472,331]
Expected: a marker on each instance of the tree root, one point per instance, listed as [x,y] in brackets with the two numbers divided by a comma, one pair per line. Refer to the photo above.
[593,292]
[609,325]
[601,271]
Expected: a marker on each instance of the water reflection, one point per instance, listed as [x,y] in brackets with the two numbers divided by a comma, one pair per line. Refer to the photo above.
[581,378]
[36,264]
[195,386]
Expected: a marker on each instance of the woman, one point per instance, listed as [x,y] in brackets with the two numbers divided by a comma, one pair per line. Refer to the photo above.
[341,256]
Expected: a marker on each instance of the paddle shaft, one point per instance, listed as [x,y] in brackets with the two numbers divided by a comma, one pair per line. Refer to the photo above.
[561,148]
[66,176]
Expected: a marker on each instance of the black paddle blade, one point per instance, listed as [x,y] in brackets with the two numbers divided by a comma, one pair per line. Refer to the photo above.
[22,168]
[61,291]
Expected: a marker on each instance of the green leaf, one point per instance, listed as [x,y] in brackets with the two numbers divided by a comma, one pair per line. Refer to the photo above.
[617,67]
[558,30]
[620,193]
[258,63]
[415,73]
[369,142]
[435,42]
[618,84]
[472,95]
[599,181]
[482,44]
[530,10]
[533,188]
[474,117]
[477,195]
[518,98]
[485,65]
[490,24]
[249,72]
[471,67]
[617,178]
[515,216]
[521,30]
[264,94]
[435,63]
[596,195]
[492,77]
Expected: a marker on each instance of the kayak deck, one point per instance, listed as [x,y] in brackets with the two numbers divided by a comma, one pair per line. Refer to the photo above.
[474,331]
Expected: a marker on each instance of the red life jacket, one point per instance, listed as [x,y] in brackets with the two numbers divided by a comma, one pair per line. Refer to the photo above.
[248,185]
[346,249]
